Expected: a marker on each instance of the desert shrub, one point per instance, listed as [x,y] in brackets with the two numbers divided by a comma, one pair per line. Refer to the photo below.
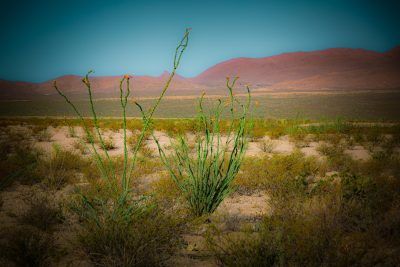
[382,163]
[166,189]
[273,173]
[19,164]
[42,213]
[81,146]
[59,169]
[205,178]
[134,124]
[111,236]
[132,140]
[176,127]
[276,129]
[27,246]
[146,152]
[266,146]
[146,166]
[349,223]
[337,160]
[109,144]
[148,240]
[89,139]
[71,131]
[43,136]
[5,150]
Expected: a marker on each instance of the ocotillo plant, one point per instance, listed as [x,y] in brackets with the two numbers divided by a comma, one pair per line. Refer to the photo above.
[205,178]
[107,169]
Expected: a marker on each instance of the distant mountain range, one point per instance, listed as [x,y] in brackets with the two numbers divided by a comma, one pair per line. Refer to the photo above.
[330,69]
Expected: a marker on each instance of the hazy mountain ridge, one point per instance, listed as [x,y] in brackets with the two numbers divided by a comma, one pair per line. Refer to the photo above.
[330,69]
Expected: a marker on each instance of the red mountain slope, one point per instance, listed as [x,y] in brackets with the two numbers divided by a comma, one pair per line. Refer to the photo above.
[333,68]
[330,69]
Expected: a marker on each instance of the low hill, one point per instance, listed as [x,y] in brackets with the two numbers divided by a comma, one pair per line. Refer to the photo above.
[330,69]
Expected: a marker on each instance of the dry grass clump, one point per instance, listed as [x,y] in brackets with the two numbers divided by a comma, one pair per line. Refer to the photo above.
[31,241]
[266,146]
[149,240]
[133,140]
[60,168]
[147,236]
[81,147]
[337,160]
[166,191]
[144,150]
[109,144]
[263,172]
[25,164]
[72,132]
[18,162]
[43,136]
[27,246]
[146,166]
[42,213]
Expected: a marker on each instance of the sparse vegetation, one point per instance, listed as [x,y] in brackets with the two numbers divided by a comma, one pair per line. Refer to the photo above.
[109,144]
[264,172]
[266,146]
[149,239]
[309,203]
[324,210]
[42,213]
[59,168]
[43,136]
[332,221]
[27,246]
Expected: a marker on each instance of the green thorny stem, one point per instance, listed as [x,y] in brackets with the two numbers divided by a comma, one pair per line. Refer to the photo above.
[124,101]
[95,121]
[205,180]
[147,117]
[105,171]
[98,158]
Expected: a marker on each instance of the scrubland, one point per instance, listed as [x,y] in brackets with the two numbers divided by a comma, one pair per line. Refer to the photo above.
[223,189]
[307,193]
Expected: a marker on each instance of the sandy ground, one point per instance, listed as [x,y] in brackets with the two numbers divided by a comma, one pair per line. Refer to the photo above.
[60,136]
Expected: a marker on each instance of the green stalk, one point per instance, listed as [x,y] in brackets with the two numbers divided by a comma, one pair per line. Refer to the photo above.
[206,179]
[98,159]
[124,101]
[96,124]
[147,117]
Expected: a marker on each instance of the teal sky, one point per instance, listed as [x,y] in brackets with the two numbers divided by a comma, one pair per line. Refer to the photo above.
[41,40]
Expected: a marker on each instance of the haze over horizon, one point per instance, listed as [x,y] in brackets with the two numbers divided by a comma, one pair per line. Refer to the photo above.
[41,41]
